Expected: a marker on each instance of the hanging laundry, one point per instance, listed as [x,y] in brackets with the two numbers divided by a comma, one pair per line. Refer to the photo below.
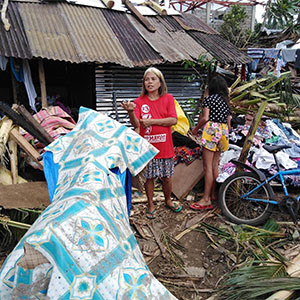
[255,52]
[3,62]
[31,93]
[288,55]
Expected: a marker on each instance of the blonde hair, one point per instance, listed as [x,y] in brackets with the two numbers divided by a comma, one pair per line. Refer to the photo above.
[163,89]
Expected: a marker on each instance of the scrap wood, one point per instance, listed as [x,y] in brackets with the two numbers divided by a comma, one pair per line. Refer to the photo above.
[157,237]
[203,217]
[6,125]
[19,120]
[23,143]
[185,284]
[34,123]
[142,230]
[13,156]
[179,276]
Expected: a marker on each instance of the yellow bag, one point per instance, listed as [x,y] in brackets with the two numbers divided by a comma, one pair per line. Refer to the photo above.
[182,125]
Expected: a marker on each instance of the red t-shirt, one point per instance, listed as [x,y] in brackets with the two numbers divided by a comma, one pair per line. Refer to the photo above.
[159,136]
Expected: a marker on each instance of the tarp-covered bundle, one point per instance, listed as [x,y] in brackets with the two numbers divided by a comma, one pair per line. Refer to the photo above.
[82,247]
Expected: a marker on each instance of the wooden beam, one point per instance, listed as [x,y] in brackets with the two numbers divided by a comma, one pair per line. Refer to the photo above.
[43,83]
[34,123]
[136,13]
[109,3]
[6,125]
[19,120]
[155,6]
[13,156]
[22,142]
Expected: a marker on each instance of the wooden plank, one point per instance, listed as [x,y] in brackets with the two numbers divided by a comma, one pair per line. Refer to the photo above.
[22,142]
[162,11]
[13,157]
[136,13]
[33,122]
[186,177]
[25,195]
[19,120]
[43,83]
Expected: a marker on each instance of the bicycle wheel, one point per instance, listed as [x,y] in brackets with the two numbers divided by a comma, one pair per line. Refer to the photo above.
[243,211]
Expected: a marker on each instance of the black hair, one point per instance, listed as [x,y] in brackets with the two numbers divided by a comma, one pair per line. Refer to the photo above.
[218,85]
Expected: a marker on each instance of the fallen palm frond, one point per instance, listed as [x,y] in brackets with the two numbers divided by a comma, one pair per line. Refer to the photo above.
[257,282]
[249,96]
[171,244]
[248,242]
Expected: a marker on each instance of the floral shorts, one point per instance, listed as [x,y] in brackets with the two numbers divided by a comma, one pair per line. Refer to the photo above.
[215,136]
[160,167]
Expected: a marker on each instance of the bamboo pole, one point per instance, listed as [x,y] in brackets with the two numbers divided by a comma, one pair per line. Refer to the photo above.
[43,83]
[5,128]
[156,7]
[12,146]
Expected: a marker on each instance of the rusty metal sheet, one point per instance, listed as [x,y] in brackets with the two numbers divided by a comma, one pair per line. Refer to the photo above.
[13,42]
[191,22]
[171,42]
[220,48]
[92,36]
[135,46]
[66,32]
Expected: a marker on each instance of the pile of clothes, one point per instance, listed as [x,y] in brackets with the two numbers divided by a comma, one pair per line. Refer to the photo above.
[270,131]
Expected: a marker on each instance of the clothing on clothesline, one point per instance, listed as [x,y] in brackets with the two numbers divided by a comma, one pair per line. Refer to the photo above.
[288,55]
[31,93]
[3,62]
[255,52]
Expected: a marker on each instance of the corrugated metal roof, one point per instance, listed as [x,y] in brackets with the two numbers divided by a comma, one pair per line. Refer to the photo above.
[172,44]
[220,48]
[13,42]
[191,22]
[72,33]
[46,31]
[137,49]
[66,32]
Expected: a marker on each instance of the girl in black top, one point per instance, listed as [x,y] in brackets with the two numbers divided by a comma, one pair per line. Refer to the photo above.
[215,120]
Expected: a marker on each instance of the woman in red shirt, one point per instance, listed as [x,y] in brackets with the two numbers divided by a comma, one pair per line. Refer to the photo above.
[152,115]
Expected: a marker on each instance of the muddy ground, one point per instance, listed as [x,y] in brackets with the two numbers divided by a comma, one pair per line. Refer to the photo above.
[187,258]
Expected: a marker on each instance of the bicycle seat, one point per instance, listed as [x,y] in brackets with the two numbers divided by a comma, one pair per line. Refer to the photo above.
[275,148]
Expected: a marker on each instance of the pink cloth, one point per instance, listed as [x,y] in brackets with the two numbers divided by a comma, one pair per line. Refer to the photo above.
[54,120]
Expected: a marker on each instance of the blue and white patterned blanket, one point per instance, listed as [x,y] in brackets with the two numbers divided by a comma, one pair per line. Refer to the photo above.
[83,239]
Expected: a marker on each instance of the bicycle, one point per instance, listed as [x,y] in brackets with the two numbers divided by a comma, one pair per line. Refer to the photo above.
[247,197]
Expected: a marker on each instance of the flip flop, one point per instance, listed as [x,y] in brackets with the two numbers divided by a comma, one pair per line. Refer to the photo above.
[176,207]
[197,206]
[150,214]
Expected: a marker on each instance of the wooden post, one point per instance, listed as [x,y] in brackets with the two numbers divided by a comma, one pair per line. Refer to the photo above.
[12,146]
[109,3]
[208,8]
[43,83]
